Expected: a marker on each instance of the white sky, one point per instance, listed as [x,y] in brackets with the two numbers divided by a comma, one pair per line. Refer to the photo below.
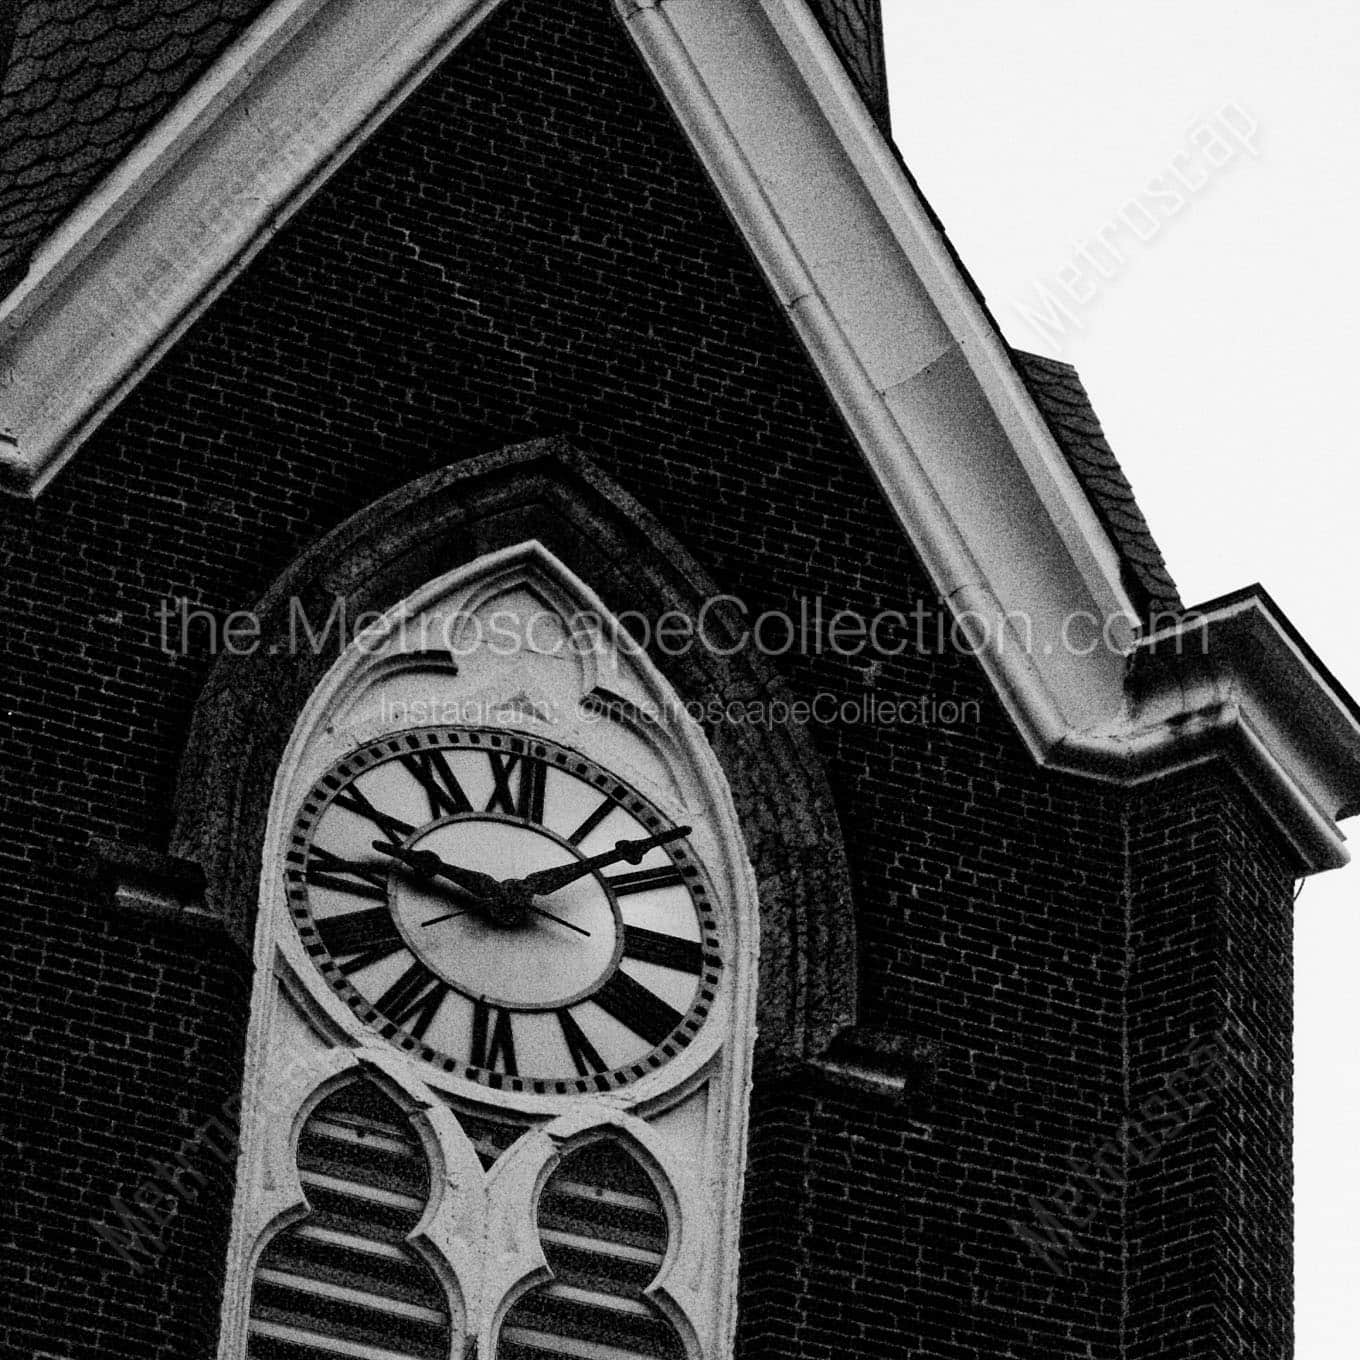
[1218,353]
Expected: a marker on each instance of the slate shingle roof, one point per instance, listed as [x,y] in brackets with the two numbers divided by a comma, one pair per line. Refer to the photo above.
[1063,402]
[85,79]
[855,28]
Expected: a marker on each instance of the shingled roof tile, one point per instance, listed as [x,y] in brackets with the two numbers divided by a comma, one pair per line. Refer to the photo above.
[855,28]
[91,25]
[85,80]
[1062,400]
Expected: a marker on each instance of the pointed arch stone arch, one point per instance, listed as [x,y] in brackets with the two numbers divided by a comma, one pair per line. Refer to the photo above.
[355,1139]
[545,491]
[444,1240]
[676,1286]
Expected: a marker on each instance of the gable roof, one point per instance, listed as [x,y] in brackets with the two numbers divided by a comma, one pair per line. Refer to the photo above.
[85,79]
[88,77]
[1021,534]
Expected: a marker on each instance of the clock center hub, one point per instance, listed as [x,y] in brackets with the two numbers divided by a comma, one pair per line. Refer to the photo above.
[503,944]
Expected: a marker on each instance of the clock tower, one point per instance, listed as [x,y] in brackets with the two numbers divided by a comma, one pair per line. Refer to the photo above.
[595,766]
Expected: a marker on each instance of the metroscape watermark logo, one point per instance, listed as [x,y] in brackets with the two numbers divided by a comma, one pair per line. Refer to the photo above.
[135,1221]
[1056,1227]
[1056,305]
[721,626]
[826,708]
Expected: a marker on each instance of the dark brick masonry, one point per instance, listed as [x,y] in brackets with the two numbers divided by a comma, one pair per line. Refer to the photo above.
[528,248]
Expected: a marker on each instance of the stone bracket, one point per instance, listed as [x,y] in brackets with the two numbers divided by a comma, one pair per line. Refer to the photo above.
[134,878]
[879,1061]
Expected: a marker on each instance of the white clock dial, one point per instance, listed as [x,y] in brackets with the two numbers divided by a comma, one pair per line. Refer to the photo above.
[505,908]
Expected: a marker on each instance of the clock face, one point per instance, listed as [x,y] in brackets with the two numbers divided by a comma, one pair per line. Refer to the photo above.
[504,908]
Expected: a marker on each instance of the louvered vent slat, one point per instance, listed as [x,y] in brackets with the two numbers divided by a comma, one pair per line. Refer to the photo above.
[523,1343]
[280,1341]
[604,1232]
[345,1268]
[344,1282]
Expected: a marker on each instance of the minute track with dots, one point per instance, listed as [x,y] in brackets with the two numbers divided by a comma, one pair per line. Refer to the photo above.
[444,882]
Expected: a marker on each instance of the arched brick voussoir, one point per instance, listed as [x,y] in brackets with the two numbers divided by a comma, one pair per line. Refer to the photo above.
[547,491]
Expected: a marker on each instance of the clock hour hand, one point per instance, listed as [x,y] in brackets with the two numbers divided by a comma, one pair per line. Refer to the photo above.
[546,881]
[490,897]
[470,882]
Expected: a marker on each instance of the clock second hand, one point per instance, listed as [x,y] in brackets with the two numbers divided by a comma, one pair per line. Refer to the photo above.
[580,930]
[447,916]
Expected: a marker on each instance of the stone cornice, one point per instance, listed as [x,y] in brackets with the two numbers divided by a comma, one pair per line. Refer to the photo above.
[924,381]
[1233,678]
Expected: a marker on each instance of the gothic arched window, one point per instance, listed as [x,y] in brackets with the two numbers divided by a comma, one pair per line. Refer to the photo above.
[504,878]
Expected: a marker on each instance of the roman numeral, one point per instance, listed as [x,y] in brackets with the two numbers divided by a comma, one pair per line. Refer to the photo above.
[431,771]
[644,880]
[354,800]
[533,779]
[670,951]
[325,870]
[493,1040]
[583,1055]
[633,1005]
[503,794]
[359,931]
[414,999]
[522,797]
[591,822]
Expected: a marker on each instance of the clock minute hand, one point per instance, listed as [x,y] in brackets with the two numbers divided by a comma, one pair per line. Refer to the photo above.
[470,881]
[546,881]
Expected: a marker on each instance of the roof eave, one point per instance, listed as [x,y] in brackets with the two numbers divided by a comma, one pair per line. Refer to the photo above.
[170,227]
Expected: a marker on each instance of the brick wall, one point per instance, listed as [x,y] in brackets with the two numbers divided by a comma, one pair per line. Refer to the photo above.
[1211,983]
[529,248]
